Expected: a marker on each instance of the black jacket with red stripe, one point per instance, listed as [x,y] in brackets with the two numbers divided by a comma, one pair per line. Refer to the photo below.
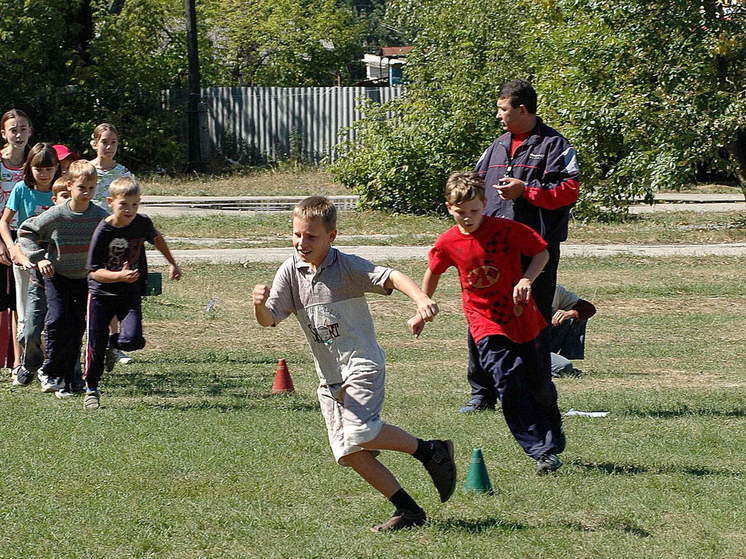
[547,163]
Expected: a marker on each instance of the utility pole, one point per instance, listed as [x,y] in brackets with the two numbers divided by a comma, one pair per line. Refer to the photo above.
[193,135]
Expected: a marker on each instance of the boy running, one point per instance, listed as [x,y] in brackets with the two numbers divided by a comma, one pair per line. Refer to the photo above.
[117,274]
[502,315]
[325,289]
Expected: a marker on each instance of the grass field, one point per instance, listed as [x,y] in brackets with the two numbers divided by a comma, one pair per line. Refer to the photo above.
[377,228]
[190,457]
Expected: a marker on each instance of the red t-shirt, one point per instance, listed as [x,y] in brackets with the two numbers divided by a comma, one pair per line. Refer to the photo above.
[489,266]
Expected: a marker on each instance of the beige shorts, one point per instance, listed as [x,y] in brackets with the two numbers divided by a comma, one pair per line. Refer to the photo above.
[352,411]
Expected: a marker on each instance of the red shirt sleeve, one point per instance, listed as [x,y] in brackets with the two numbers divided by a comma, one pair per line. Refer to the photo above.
[439,260]
[528,241]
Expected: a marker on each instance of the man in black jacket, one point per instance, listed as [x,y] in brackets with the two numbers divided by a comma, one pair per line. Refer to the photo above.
[531,176]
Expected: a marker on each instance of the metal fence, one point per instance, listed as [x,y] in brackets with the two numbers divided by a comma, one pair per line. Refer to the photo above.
[250,124]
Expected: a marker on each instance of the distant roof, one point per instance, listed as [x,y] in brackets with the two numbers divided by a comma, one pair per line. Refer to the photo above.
[395,51]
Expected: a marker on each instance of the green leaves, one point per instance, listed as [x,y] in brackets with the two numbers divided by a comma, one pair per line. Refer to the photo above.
[646,92]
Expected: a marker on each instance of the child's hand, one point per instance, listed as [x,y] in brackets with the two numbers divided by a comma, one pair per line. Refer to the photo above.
[174,272]
[45,268]
[416,325]
[560,316]
[260,294]
[427,309]
[4,255]
[128,276]
[522,291]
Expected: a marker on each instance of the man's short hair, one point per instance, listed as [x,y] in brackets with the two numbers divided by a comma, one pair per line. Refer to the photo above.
[124,186]
[520,92]
[462,187]
[317,207]
[81,169]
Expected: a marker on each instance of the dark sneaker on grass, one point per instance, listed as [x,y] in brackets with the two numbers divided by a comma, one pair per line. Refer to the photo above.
[401,521]
[442,468]
[92,400]
[110,359]
[473,406]
[22,376]
[547,464]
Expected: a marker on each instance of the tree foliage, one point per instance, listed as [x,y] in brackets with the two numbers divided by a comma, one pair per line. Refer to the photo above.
[283,42]
[72,64]
[646,91]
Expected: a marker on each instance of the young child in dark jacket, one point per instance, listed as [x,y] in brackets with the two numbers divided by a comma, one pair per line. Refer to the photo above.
[117,273]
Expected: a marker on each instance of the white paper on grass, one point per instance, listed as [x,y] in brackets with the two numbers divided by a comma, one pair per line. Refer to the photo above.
[578,413]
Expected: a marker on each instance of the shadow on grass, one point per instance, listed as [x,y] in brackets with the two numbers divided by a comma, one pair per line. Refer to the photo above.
[611,468]
[190,390]
[476,526]
[234,405]
[686,412]
[622,525]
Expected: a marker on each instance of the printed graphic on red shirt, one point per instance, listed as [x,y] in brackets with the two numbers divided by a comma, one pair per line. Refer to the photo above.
[489,265]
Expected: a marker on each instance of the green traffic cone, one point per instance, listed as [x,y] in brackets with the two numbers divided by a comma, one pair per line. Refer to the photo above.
[477,478]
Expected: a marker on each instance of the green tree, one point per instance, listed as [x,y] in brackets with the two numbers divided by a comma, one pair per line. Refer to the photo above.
[73,64]
[646,91]
[404,151]
[289,43]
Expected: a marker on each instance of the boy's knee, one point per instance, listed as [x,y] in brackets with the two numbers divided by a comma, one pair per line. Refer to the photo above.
[358,460]
[125,343]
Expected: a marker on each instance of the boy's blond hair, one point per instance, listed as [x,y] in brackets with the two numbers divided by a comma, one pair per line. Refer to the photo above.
[60,185]
[81,169]
[462,187]
[317,207]
[124,186]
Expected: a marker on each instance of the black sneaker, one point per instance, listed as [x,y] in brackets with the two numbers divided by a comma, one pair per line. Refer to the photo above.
[22,376]
[473,406]
[442,468]
[401,520]
[110,359]
[547,464]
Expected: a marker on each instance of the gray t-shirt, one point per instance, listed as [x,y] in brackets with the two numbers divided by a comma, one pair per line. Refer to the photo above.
[331,308]
[563,299]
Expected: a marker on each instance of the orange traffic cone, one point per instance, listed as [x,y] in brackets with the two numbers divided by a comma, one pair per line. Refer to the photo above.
[283,383]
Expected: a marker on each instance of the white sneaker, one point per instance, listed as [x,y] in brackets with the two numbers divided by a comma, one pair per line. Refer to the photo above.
[64,394]
[92,400]
[51,384]
[122,357]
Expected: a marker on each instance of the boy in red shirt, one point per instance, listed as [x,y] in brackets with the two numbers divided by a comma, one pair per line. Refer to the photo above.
[502,315]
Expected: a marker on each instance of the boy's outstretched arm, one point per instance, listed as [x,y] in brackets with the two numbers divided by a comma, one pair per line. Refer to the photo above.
[259,296]
[429,285]
[522,289]
[174,272]
[426,307]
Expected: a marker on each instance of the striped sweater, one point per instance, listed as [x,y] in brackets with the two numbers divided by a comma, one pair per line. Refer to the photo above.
[62,237]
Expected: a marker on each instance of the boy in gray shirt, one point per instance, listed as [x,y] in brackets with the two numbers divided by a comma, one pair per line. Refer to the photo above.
[56,243]
[326,289]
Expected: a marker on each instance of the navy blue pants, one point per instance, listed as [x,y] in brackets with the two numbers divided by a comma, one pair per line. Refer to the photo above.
[101,309]
[65,324]
[522,381]
[482,388]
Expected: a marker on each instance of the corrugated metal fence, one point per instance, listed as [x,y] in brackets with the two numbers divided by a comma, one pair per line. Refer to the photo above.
[250,124]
